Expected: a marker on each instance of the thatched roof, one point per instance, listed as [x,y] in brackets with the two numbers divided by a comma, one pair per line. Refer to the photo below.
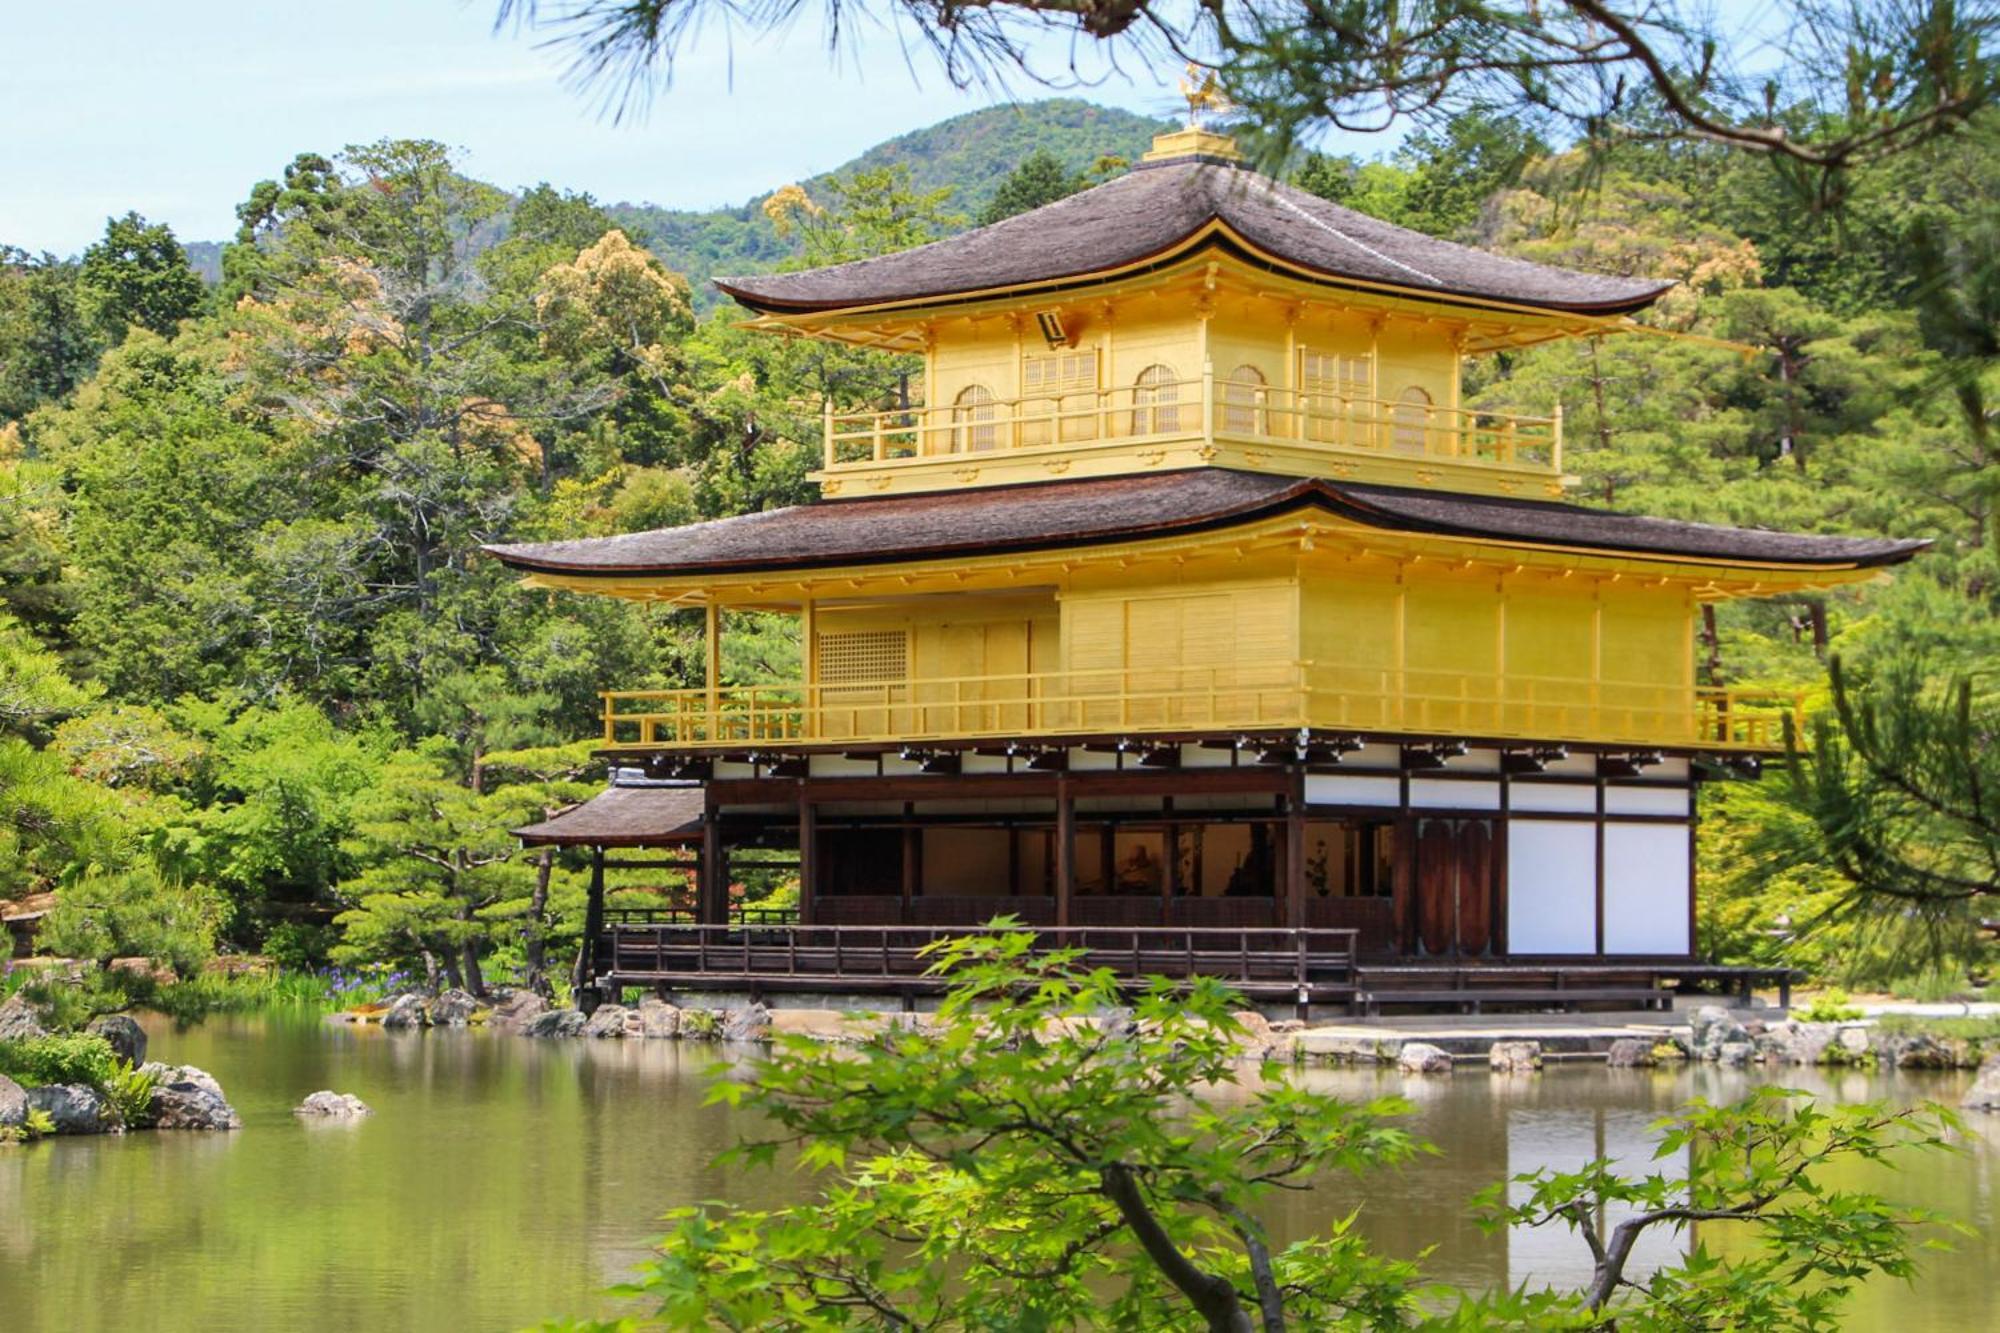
[1127,508]
[623,817]
[1161,209]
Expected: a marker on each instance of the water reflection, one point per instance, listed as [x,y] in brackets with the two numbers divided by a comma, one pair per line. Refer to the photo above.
[502,1181]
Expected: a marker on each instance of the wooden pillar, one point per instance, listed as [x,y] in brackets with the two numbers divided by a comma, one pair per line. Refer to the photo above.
[1295,851]
[808,857]
[913,860]
[712,904]
[1170,847]
[1065,849]
[588,963]
[809,660]
[712,661]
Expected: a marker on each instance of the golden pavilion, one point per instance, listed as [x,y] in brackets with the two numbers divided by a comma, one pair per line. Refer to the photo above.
[1190,615]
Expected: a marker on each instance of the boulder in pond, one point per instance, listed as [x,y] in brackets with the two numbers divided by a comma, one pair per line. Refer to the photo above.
[657,1018]
[1711,1028]
[190,1098]
[512,1013]
[328,1105]
[404,1011]
[76,1109]
[20,1020]
[750,1023]
[13,1103]
[1630,1053]
[555,1023]
[1794,1043]
[612,1020]
[1515,1057]
[1734,1054]
[1984,1094]
[127,1038]
[452,1009]
[1420,1057]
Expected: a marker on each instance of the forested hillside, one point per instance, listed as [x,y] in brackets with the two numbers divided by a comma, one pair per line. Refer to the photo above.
[258,687]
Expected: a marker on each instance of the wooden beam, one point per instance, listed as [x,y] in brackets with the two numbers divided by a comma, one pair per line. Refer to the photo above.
[1065,849]
[713,886]
[808,855]
[1295,851]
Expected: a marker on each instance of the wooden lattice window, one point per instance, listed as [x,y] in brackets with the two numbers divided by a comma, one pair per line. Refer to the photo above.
[1064,383]
[1243,401]
[972,428]
[1154,394]
[1336,390]
[864,657]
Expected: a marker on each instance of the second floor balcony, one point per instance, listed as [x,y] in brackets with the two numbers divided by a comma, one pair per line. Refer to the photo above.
[1170,701]
[1171,423]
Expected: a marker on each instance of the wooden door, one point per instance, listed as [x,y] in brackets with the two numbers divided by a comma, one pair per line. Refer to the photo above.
[1454,884]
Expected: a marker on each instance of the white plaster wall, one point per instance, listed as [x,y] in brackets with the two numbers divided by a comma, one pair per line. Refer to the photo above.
[1340,789]
[1646,887]
[1646,800]
[1441,794]
[1569,797]
[1551,886]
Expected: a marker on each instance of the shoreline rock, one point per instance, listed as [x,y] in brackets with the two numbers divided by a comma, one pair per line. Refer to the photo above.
[127,1038]
[13,1103]
[1420,1057]
[76,1109]
[190,1098]
[329,1105]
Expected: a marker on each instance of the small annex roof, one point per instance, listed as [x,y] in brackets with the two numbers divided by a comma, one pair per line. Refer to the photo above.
[1060,514]
[1160,209]
[623,817]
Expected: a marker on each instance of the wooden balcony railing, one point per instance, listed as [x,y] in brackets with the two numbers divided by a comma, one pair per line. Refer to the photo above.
[1205,409]
[1188,699]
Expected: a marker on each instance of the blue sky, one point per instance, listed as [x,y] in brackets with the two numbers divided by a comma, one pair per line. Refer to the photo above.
[176,109]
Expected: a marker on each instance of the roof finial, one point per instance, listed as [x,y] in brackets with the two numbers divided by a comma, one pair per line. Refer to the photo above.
[1203,93]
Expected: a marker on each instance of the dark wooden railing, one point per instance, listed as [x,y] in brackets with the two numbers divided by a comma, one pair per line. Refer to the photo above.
[1262,961]
[685,916]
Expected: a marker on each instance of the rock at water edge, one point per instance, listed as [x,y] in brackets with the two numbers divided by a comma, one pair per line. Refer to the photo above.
[76,1109]
[333,1106]
[1711,1028]
[405,1011]
[657,1018]
[13,1103]
[1984,1094]
[452,1009]
[555,1023]
[1630,1053]
[612,1020]
[514,1012]
[20,1020]
[1515,1057]
[127,1038]
[752,1023]
[190,1098]
[1420,1057]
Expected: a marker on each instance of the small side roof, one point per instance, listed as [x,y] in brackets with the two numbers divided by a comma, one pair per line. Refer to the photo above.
[1157,504]
[1162,208]
[623,817]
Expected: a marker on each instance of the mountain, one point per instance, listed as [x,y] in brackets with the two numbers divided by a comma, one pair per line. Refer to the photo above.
[971,153]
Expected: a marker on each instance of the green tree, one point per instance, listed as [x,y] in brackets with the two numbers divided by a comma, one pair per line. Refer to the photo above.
[1049,1158]
[1040,179]
[137,276]
[47,345]
[440,878]
[133,913]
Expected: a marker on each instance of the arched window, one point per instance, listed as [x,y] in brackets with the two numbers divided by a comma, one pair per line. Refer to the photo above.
[972,428]
[1413,422]
[1243,401]
[1154,394]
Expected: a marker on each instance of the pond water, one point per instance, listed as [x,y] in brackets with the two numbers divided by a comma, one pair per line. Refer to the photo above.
[503,1181]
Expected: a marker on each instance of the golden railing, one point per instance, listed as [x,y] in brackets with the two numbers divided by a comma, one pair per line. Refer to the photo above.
[1186,699]
[1202,409]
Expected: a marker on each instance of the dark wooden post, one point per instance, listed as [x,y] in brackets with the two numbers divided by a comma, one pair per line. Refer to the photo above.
[1295,852]
[913,860]
[1065,849]
[1170,873]
[587,961]
[712,902]
[808,857]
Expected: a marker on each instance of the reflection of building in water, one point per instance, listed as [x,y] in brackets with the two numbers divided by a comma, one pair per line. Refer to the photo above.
[1568,1140]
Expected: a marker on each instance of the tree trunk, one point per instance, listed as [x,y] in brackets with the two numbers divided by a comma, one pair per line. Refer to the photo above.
[535,931]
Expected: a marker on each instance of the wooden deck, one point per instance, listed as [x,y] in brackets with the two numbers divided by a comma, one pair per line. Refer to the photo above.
[767,952]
